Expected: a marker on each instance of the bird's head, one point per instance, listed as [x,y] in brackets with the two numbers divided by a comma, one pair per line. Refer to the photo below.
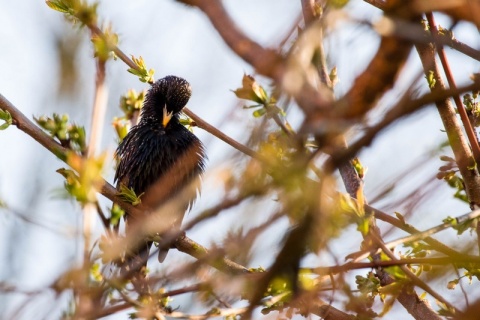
[167,97]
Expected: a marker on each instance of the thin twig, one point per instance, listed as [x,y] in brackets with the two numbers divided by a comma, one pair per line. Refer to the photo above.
[219,134]
[389,263]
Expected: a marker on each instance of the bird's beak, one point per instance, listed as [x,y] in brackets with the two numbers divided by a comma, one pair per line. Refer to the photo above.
[167,116]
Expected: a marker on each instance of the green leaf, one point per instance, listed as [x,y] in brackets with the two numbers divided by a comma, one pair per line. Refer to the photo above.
[84,186]
[333,76]
[132,102]
[7,117]
[307,282]
[121,126]
[96,273]
[260,112]
[431,79]
[128,195]
[251,90]
[359,168]
[116,214]
[338,4]
[141,70]
[364,226]
[396,272]
[369,284]
[104,46]
[58,6]
[77,138]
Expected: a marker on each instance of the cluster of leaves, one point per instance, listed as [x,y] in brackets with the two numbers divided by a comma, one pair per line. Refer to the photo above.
[252,91]
[359,168]
[104,44]
[131,103]
[69,135]
[471,270]
[77,11]
[462,226]
[84,186]
[84,14]
[449,173]
[128,195]
[417,249]
[471,105]
[141,71]
[356,210]
[362,304]
[7,117]
[370,288]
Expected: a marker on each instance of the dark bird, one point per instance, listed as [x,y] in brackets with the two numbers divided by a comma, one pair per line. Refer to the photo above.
[161,158]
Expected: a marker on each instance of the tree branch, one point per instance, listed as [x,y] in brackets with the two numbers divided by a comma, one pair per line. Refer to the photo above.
[461,149]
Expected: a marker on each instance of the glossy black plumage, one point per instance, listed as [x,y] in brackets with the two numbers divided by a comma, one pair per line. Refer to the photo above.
[161,151]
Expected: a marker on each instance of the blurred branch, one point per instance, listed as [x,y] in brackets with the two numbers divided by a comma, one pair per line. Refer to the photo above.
[328,312]
[417,34]
[266,61]
[404,107]
[26,218]
[380,75]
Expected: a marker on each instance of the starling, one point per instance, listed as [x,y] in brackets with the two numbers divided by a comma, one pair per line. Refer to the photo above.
[161,154]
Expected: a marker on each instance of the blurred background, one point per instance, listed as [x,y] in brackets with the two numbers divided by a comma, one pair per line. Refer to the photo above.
[46,66]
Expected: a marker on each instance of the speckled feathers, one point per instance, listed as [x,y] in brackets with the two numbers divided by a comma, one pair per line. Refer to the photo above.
[157,151]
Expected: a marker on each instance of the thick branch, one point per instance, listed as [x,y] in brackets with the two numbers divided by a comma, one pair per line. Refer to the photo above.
[461,149]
